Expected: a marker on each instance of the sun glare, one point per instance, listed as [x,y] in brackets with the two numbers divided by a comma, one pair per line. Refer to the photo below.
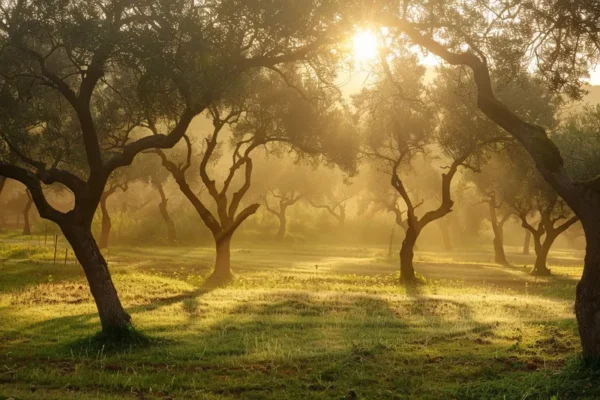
[365,46]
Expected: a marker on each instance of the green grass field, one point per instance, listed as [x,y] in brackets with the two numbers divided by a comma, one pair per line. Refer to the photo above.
[297,323]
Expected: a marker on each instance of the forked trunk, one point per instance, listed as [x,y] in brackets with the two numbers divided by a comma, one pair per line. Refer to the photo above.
[540,267]
[498,229]
[113,317]
[282,226]
[26,212]
[587,298]
[222,273]
[527,243]
[407,270]
[164,212]
[106,225]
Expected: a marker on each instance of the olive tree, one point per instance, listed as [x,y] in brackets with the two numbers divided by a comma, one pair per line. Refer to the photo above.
[267,114]
[560,41]
[283,199]
[401,126]
[79,81]
[115,184]
[490,184]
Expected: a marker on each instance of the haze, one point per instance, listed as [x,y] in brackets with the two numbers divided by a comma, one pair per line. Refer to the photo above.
[258,199]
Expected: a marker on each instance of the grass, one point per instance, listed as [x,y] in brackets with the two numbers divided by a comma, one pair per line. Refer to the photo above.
[297,323]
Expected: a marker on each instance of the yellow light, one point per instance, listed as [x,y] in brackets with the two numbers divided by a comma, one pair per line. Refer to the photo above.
[365,46]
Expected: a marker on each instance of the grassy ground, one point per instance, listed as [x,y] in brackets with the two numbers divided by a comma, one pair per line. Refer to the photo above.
[298,323]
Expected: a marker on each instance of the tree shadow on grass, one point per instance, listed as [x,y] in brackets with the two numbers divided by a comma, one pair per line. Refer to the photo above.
[80,332]
[319,345]
[19,275]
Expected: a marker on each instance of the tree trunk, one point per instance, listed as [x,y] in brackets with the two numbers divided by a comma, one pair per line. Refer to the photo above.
[541,256]
[113,317]
[407,270]
[527,243]
[26,212]
[499,255]
[164,212]
[282,225]
[222,273]
[587,298]
[106,225]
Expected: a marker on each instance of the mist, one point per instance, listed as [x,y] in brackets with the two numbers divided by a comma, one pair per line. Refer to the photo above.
[313,199]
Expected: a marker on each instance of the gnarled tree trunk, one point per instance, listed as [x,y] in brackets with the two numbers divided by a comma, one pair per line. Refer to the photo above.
[26,212]
[587,297]
[407,254]
[222,272]
[498,229]
[164,212]
[499,254]
[542,249]
[282,225]
[113,317]
[106,224]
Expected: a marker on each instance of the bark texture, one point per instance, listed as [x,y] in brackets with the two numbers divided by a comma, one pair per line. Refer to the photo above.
[106,224]
[222,273]
[407,254]
[113,317]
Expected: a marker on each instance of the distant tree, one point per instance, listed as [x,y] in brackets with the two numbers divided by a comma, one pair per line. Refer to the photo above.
[334,203]
[491,183]
[512,178]
[400,127]
[149,170]
[106,224]
[80,80]
[379,197]
[266,114]
[27,213]
[559,41]
[283,200]
[158,183]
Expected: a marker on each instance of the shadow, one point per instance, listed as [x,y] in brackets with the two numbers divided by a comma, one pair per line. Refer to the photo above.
[163,302]
[315,345]
[19,275]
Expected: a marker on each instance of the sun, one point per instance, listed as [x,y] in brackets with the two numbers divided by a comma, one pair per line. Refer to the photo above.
[365,46]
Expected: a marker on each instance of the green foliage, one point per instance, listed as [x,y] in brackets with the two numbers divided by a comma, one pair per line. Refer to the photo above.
[578,138]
